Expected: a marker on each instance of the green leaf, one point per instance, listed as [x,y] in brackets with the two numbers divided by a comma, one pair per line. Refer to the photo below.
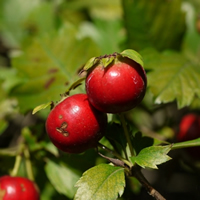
[8,107]
[102,60]
[106,40]
[33,18]
[155,23]
[133,55]
[192,38]
[91,62]
[75,85]
[152,156]
[63,178]
[9,78]
[40,107]
[50,147]
[115,135]
[172,77]
[107,61]
[140,142]
[31,139]
[35,145]
[48,65]
[102,182]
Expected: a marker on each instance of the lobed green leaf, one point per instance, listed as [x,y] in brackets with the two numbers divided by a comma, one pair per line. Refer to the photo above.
[48,65]
[152,156]
[172,77]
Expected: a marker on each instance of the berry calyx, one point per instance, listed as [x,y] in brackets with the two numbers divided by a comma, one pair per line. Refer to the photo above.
[18,188]
[74,125]
[117,87]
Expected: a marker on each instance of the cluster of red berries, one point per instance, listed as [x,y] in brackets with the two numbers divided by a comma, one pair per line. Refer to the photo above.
[79,121]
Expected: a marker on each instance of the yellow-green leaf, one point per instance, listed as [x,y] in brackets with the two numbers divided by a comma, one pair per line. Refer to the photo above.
[40,107]
[152,156]
[102,182]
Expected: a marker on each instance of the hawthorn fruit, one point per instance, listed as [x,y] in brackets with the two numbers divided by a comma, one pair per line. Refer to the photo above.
[74,125]
[118,87]
[18,188]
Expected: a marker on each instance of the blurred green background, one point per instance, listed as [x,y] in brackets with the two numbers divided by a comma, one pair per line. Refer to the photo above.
[45,43]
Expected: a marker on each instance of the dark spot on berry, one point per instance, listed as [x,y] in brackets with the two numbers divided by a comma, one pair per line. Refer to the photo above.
[65,134]
[23,188]
[64,125]
[60,116]
[62,130]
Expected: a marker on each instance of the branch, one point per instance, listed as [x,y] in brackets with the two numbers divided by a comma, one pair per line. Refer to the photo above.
[140,177]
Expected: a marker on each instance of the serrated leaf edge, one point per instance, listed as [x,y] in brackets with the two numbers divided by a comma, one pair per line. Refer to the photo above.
[154,166]
[79,182]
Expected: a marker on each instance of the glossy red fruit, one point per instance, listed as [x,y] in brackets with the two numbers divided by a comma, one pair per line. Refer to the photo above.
[189,129]
[74,125]
[18,188]
[119,87]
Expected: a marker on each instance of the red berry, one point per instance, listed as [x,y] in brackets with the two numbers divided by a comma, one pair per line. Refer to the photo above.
[18,188]
[74,125]
[118,87]
[189,129]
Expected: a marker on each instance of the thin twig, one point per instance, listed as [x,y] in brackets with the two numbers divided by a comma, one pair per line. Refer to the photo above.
[115,154]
